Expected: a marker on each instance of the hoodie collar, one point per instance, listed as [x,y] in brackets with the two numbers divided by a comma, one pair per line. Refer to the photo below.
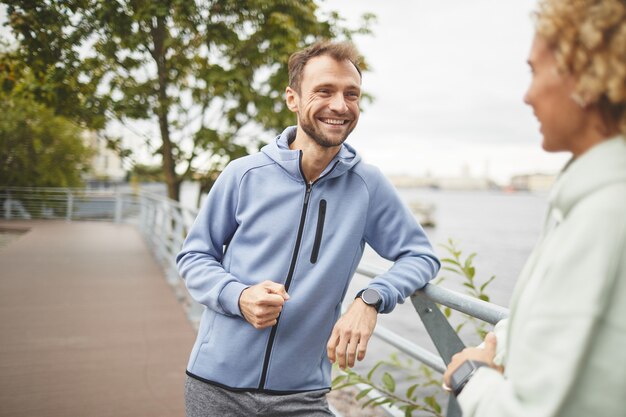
[602,165]
[289,159]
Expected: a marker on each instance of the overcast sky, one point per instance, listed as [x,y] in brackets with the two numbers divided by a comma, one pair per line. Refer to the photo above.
[448,78]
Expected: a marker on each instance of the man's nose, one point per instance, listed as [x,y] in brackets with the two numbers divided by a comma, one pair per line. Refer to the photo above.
[338,104]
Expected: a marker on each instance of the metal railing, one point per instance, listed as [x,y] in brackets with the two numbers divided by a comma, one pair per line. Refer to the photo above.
[164,224]
[67,203]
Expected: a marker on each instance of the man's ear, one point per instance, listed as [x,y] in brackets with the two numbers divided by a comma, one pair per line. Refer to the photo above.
[291,98]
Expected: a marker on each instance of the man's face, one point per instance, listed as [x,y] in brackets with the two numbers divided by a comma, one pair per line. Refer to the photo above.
[328,102]
[550,95]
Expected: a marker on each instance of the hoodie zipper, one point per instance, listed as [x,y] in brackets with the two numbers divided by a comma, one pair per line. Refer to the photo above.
[321,216]
[292,267]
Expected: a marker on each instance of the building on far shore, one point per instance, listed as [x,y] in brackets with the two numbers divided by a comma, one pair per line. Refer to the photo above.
[536,182]
[532,182]
[444,183]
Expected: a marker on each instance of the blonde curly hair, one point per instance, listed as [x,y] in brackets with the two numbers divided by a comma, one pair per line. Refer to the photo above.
[588,38]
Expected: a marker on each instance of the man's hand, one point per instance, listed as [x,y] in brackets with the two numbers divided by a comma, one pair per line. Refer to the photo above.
[262,303]
[351,334]
[484,354]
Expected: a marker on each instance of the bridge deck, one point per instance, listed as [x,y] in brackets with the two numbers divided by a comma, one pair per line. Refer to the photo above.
[88,325]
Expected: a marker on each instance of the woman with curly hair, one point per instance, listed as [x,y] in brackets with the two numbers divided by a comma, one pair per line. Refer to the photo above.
[562,352]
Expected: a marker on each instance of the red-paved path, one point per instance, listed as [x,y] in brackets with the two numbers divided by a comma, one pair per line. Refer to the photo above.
[88,325]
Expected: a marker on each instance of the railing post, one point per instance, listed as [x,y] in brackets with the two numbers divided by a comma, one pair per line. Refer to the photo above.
[142,214]
[70,206]
[118,206]
[163,231]
[151,222]
[445,339]
[8,203]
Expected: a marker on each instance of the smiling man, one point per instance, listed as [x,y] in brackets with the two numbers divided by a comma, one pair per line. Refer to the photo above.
[276,244]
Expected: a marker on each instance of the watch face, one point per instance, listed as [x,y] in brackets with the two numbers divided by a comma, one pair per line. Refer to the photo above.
[461,373]
[370,296]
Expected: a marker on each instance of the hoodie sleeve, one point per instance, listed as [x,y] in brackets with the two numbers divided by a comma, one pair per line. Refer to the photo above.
[200,260]
[393,232]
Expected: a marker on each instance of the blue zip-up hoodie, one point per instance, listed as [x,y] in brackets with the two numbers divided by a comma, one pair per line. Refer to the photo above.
[262,221]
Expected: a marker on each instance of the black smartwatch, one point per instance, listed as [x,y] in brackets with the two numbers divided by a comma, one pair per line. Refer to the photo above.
[462,374]
[371,297]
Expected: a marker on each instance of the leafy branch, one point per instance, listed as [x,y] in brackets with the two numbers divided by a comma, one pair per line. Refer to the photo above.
[384,392]
[464,269]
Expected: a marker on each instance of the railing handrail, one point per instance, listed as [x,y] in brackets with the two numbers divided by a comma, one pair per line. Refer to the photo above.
[485,311]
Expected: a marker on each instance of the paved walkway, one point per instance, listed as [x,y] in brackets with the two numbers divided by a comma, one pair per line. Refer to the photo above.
[88,325]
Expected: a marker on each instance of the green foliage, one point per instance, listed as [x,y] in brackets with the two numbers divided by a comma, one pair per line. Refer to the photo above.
[210,75]
[463,269]
[423,393]
[379,386]
[37,147]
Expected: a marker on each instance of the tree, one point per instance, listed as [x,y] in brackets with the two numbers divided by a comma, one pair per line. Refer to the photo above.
[37,147]
[210,73]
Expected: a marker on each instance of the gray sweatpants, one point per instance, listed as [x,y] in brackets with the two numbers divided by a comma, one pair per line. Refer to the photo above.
[206,400]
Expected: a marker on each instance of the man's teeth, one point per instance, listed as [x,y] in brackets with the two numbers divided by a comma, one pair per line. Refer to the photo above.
[333,121]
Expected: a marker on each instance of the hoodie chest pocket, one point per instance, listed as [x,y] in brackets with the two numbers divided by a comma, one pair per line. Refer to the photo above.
[319,231]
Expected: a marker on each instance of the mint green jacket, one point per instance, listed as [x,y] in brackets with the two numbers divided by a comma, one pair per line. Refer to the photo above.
[564,344]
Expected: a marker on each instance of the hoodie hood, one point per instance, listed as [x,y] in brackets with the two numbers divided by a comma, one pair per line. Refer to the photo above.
[602,165]
[278,150]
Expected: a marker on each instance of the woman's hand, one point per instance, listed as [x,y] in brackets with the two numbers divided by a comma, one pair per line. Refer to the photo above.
[483,354]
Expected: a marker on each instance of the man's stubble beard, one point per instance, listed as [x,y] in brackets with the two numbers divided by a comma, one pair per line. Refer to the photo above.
[319,137]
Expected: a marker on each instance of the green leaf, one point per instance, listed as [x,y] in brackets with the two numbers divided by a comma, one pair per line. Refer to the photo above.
[370,374]
[451,261]
[363,393]
[432,402]
[389,382]
[338,379]
[371,401]
[447,312]
[380,402]
[347,384]
[484,297]
[411,390]
[471,271]
[482,287]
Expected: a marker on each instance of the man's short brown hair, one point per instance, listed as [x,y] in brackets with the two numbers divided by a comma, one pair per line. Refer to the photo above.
[340,51]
